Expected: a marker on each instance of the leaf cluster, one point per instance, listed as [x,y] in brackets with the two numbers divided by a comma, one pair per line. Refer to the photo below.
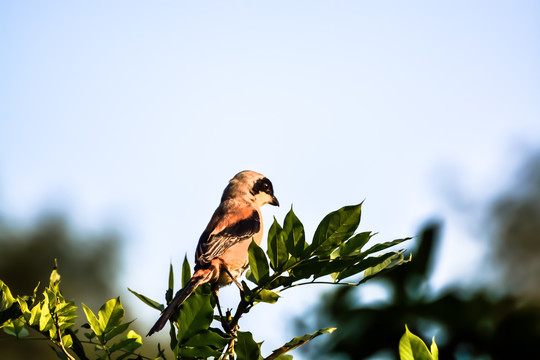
[53,317]
[335,252]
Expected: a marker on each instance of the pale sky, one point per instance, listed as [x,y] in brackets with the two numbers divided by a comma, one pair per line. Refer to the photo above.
[133,115]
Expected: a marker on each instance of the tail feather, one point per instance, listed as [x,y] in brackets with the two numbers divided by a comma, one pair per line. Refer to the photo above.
[200,277]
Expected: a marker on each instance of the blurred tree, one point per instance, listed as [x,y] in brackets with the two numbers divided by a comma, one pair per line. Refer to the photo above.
[88,265]
[513,221]
[470,324]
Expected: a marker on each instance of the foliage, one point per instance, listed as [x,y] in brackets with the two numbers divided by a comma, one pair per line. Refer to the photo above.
[289,261]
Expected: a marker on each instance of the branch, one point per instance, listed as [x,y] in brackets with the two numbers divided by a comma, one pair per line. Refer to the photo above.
[60,342]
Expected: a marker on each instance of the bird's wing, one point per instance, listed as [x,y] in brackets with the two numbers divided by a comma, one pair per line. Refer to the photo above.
[224,230]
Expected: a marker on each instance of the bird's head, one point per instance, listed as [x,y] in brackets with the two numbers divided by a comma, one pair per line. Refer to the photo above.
[252,186]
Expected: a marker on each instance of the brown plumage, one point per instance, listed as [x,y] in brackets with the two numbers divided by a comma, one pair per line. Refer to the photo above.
[223,246]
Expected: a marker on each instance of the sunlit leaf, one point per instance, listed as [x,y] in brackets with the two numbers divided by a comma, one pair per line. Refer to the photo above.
[92,320]
[67,341]
[434,349]
[411,347]
[67,314]
[148,301]
[296,342]
[6,299]
[335,228]
[267,296]
[45,320]
[9,307]
[54,279]
[35,315]
[128,343]
[110,315]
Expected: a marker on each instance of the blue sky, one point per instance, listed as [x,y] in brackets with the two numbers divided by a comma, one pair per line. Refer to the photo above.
[134,115]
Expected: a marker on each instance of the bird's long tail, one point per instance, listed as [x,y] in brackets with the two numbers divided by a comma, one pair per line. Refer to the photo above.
[201,276]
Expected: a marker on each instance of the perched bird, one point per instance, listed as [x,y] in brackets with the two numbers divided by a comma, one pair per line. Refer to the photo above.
[222,252]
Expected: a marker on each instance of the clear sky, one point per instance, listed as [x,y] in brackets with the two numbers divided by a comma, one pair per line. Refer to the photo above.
[135,114]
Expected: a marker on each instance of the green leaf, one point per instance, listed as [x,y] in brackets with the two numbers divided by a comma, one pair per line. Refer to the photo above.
[434,349]
[411,347]
[67,341]
[128,343]
[246,348]
[45,320]
[370,263]
[267,296]
[35,315]
[9,307]
[389,263]
[54,279]
[294,235]
[201,352]
[170,289]
[258,263]
[117,331]
[281,281]
[92,320]
[15,327]
[196,313]
[148,301]
[186,271]
[67,314]
[306,269]
[355,243]
[174,339]
[208,338]
[298,341]
[110,315]
[335,228]
[384,245]
[6,299]
[277,252]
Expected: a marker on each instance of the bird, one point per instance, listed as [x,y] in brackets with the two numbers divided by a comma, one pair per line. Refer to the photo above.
[222,251]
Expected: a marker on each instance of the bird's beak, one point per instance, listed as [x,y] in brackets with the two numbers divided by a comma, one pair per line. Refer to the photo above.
[274,201]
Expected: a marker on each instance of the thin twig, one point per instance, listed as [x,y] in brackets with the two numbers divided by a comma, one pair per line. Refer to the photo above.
[59,335]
